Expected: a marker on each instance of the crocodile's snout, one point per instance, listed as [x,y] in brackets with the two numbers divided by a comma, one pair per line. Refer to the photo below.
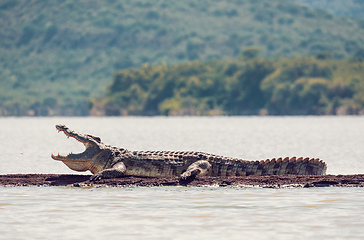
[80,161]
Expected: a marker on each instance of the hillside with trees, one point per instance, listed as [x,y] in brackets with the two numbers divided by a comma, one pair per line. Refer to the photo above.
[57,55]
[244,86]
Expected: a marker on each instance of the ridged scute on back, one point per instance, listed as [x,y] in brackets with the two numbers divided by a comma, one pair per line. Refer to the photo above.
[293,165]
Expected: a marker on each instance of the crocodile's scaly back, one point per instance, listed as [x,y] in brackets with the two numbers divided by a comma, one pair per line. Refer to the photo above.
[174,163]
[105,161]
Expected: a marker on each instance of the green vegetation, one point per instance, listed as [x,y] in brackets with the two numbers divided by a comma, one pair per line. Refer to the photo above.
[57,55]
[282,86]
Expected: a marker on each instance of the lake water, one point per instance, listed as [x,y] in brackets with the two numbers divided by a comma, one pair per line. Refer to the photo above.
[179,212]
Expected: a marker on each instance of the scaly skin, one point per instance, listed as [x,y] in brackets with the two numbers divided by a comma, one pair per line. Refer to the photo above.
[105,161]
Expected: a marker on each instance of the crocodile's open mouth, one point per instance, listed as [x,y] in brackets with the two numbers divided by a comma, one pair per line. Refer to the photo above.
[77,161]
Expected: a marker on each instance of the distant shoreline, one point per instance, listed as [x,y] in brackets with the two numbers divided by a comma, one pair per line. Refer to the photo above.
[276,181]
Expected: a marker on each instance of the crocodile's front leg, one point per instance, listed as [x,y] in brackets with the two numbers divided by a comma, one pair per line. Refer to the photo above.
[201,168]
[118,170]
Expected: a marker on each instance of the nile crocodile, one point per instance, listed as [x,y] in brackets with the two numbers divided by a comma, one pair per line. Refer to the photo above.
[106,161]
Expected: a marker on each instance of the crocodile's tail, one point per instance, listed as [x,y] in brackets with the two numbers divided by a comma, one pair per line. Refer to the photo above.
[280,166]
[297,166]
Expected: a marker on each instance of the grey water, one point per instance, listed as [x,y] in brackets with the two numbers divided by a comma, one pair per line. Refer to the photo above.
[183,212]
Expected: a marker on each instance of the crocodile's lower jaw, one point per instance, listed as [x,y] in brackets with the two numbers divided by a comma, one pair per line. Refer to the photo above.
[77,165]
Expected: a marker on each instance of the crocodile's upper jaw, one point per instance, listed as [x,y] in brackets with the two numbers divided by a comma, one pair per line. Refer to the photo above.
[81,161]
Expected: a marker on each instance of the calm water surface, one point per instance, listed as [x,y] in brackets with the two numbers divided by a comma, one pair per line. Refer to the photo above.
[178,212]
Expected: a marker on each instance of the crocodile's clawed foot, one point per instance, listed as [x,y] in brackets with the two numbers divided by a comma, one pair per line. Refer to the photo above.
[201,168]
[96,177]
[118,170]
[188,176]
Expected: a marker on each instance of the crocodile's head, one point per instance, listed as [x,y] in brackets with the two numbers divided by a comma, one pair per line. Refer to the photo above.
[82,161]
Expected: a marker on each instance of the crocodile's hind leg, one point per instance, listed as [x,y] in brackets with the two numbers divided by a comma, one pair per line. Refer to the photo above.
[201,168]
[117,170]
